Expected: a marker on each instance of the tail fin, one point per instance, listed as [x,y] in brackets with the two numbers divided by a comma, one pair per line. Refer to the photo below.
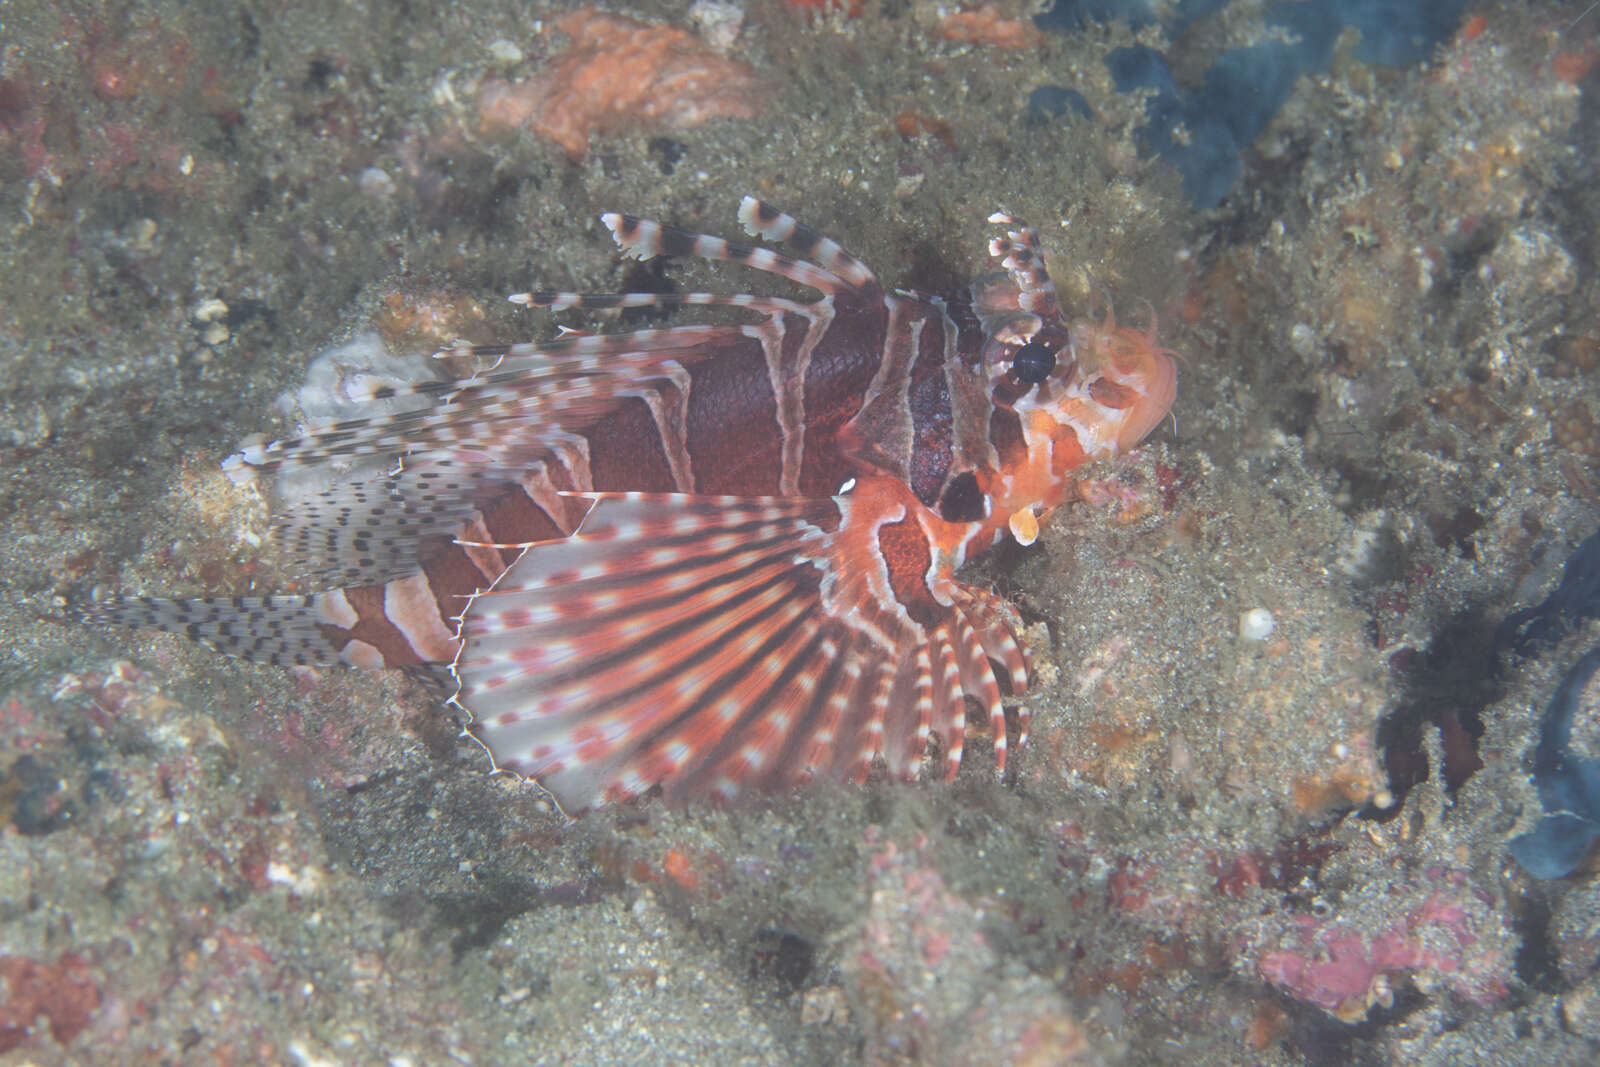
[391,624]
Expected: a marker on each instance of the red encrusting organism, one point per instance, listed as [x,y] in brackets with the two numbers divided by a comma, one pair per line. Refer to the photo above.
[706,557]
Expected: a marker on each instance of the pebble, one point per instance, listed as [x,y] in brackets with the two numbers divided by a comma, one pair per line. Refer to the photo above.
[25,426]
[376,183]
[718,22]
[505,52]
[1580,1010]
[211,316]
[1256,624]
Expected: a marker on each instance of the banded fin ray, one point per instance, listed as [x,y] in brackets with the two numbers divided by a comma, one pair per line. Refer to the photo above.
[838,272]
[1018,301]
[391,489]
[365,531]
[576,378]
[390,483]
[761,219]
[712,645]
[557,300]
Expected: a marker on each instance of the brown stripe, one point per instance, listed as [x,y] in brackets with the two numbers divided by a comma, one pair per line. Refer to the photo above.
[515,519]
[374,628]
[931,411]
[732,424]
[626,453]
[908,557]
[971,405]
[1005,433]
[879,430]
[453,577]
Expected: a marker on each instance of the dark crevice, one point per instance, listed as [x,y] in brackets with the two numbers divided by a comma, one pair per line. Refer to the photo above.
[1537,962]
[648,276]
[1447,688]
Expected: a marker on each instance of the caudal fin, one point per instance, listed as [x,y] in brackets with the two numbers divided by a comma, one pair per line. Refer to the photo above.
[283,630]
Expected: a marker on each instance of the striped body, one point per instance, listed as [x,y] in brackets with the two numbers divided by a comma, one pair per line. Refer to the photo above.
[714,556]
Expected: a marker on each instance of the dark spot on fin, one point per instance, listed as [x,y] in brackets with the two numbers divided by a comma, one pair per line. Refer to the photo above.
[962,499]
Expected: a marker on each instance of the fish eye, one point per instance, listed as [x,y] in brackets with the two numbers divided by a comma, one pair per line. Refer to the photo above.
[1033,363]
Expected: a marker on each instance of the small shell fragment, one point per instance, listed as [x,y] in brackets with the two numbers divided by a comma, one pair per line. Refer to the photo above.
[1024,526]
[505,52]
[1256,624]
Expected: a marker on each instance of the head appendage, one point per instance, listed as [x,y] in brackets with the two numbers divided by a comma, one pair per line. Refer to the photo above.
[1018,304]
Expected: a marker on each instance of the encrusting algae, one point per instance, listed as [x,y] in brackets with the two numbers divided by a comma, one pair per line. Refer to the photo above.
[620,72]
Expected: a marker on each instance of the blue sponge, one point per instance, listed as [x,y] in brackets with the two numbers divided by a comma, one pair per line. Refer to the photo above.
[1568,784]
[1053,101]
[1575,601]
[1397,33]
[1244,88]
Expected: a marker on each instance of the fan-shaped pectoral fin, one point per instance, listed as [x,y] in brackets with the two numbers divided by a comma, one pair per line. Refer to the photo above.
[710,645]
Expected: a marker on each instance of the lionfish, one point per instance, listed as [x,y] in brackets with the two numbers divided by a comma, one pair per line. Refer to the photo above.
[708,557]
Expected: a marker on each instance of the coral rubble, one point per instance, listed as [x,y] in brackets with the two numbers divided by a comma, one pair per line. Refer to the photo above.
[620,72]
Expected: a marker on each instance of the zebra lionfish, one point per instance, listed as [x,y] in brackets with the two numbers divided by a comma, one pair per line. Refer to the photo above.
[706,557]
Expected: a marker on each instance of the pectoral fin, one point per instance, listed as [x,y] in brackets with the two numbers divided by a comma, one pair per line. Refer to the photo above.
[711,645]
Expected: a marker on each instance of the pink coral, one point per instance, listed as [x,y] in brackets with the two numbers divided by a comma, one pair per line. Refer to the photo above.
[620,72]
[61,993]
[1339,968]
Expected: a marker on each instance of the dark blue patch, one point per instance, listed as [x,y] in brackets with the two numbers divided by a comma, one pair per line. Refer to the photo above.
[1576,600]
[1141,67]
[1317,27]
[1568,784]
[1209,162]
[1053,101]
[1244,87]
[1397,33]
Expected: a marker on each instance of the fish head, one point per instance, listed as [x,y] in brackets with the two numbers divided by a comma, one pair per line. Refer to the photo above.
[1063,397]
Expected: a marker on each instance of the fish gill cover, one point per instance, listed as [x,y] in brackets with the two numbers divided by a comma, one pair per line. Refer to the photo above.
[1244,88]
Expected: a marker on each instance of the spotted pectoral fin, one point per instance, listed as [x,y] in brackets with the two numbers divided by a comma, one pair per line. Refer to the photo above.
[711,645]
